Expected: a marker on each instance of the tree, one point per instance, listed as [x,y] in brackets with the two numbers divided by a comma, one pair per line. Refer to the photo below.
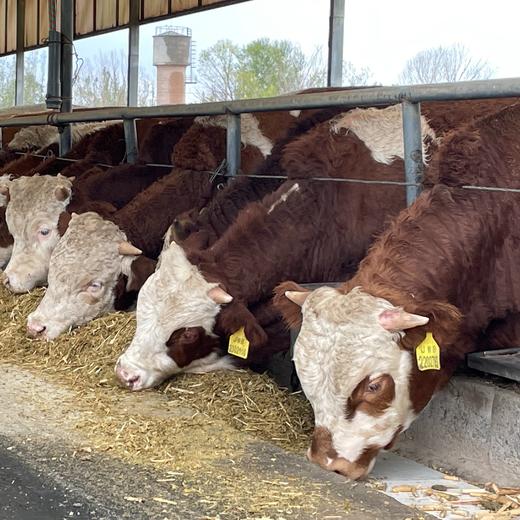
[7,68]
[102,82]
[444,64]
[261,68]
[355,77]
[217,72]
[35,77]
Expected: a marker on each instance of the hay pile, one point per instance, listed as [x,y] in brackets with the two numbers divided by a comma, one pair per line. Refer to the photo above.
[192,426]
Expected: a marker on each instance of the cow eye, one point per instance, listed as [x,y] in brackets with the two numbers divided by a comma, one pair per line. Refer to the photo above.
[95,286]
[374,387]
[44,231]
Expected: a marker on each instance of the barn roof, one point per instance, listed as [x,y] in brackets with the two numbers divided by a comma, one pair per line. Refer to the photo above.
[91,17]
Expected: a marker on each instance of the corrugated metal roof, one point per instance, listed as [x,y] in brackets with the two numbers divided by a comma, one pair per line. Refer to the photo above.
[91,17]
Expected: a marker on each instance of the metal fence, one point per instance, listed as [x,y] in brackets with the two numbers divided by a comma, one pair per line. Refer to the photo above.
[409,96]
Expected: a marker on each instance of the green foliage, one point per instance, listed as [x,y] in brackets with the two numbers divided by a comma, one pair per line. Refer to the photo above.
[7,68]
[261,68]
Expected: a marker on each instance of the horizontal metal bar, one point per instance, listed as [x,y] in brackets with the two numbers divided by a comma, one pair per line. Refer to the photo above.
[509,87]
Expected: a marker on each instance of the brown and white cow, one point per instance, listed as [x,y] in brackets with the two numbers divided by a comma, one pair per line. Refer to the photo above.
[102,286]
[448,265]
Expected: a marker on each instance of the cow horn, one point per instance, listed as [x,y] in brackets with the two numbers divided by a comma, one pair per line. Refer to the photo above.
[218,295]
[126,248]
[297,297]
[399,319]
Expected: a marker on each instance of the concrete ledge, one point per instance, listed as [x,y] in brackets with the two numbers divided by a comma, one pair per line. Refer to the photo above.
[472,428]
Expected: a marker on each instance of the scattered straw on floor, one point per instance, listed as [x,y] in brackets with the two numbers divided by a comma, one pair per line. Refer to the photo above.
[190,423]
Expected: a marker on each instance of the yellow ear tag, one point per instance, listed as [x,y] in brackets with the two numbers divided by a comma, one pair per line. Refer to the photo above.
[428,354]
[239,344]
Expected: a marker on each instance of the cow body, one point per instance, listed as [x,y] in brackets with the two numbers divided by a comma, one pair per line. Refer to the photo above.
[447,265]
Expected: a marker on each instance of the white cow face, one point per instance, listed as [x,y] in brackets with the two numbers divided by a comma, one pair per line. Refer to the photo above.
[86,270]
[176,309]
[356,375]
[32,215]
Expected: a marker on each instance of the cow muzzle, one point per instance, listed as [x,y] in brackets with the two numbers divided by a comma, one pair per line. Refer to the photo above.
[17,284]
[128,379]
[36,329]
[322,452]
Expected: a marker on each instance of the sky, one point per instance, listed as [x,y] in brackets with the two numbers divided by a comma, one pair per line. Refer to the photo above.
[379,34]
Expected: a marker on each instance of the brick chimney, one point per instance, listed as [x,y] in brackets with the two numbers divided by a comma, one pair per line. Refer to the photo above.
[171,56]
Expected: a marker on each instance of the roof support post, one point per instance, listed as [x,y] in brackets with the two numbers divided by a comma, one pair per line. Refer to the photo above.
[130,140]
[336,31]
[53,97]
[67,37]
[413,157]
[133,54]
[233,144]
[20,43]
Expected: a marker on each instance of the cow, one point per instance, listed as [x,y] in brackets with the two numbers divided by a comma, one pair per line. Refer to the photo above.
[212,290]
[101,287]
[147,217]
[371,354]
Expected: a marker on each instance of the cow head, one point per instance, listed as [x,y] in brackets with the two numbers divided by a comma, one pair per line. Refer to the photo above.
[33,216]
[358,372]
[92,271]
[176,313]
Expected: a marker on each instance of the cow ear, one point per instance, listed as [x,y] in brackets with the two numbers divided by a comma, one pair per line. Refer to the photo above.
[62,193]
[141,268]
[237,315]
[290,310]
[63,222]
[218,295]
[397,319]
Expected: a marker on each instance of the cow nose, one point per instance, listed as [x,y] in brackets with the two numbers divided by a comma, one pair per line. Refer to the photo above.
[35,329]
[129,380]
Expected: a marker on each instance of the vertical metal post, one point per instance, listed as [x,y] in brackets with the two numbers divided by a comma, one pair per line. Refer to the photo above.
[233,144]
[67,36]
[133,54]
[413,158]
[130,140]
[20,43]
[336,30]
[53,97]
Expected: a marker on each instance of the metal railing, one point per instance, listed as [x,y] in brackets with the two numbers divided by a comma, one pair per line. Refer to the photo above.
[409,96]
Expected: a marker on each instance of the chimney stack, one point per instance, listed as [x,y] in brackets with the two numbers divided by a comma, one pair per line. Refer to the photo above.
[171,56]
